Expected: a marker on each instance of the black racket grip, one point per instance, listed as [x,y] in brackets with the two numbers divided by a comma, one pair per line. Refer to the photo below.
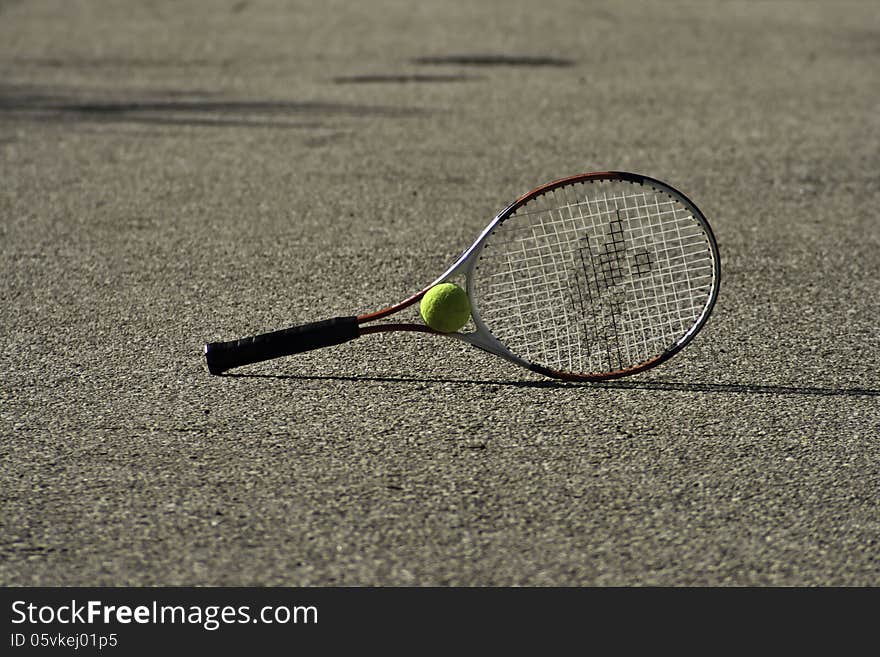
[222,356]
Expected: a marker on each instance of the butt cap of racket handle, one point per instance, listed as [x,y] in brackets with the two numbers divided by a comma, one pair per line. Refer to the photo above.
[222,356]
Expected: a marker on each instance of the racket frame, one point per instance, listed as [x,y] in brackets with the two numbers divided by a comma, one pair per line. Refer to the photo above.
[222,356]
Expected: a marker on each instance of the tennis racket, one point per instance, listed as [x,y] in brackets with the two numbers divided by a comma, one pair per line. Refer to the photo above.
[586,278]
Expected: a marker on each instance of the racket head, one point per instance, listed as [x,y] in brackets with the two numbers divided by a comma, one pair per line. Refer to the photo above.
[592,277]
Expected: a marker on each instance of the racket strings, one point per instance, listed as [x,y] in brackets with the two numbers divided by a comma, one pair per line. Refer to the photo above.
[595,277]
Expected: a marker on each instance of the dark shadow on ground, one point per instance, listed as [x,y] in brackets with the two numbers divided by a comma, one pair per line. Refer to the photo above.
[666,386]
[196,109]
[495,60]
[405,79]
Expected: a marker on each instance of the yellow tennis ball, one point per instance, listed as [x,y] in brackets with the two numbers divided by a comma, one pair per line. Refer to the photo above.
[445,307]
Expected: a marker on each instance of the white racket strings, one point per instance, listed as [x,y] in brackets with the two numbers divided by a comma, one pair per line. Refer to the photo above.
[595,276]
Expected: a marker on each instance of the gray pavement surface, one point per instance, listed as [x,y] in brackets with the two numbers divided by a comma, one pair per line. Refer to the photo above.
[175,173]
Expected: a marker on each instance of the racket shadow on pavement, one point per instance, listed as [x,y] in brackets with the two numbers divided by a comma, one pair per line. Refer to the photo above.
[668,386]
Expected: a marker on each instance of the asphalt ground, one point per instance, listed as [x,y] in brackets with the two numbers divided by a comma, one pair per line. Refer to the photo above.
[176,173]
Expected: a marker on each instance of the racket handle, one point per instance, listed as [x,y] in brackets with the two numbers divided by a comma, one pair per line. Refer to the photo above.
[222,356]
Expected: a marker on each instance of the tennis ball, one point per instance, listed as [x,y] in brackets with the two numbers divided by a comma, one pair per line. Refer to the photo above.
[445,307]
